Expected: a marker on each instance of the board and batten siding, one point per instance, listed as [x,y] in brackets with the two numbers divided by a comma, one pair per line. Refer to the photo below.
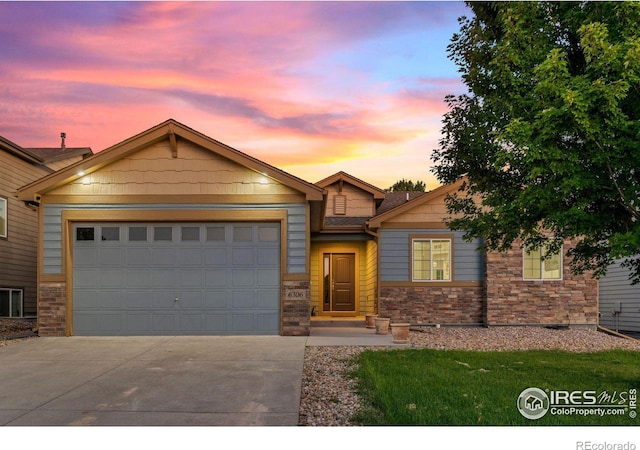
[296,228]
[395,255]
[619,304]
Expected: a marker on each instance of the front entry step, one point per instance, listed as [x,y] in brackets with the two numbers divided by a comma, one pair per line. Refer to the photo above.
[338,321]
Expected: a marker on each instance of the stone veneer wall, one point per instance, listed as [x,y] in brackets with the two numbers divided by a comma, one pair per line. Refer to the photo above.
[52,309]
[433,305]
[514,301]
[296,315]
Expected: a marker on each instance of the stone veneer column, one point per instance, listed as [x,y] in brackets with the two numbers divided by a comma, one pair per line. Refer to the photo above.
[52,309]
[296,317]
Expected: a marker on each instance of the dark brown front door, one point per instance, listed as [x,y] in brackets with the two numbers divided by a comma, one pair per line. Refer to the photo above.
[339,286]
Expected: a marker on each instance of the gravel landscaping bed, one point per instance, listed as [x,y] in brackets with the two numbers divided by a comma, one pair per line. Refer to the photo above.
[328,397]
[13,329]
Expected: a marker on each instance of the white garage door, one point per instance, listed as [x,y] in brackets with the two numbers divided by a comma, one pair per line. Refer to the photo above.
[176,278]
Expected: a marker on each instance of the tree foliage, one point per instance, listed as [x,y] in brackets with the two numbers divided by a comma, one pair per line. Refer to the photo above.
[407,185]
[548,135]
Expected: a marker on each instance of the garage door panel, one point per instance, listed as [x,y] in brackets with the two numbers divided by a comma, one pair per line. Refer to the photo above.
[268,277]
[163,322]
[165,300]
[138,299]
[110,278]
[268,298]
[137,278]
[165,278]
[191,278]
[268,257]
[216,278]
[243,257]
[267,322]
[137,257]
[243,277]
[138,323]
[190,257]
[191,300]
[145,279]
[111,257]
[163,256]
[220,299]
[84,256]
[216,257]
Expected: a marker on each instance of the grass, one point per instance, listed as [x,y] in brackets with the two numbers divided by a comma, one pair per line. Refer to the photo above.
[437,387]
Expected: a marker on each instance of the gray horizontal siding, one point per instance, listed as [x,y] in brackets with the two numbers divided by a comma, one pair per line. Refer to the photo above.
[395,255]
[616,290]
[296,229]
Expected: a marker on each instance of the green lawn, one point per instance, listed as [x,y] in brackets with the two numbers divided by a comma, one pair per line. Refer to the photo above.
[437,387]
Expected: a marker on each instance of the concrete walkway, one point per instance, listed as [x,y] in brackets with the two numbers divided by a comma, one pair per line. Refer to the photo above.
[162,380]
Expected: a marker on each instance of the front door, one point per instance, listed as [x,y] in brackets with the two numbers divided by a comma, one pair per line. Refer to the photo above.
[339,282]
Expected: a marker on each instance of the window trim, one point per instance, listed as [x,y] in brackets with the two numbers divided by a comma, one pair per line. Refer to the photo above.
[11,291]
[5,201]
[431,238]
[525,252]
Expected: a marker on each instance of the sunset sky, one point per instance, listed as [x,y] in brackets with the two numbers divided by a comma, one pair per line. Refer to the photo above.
[310,87]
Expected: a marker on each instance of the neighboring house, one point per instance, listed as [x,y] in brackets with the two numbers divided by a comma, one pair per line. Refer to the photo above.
[619,300]
[172,232]
[19,222]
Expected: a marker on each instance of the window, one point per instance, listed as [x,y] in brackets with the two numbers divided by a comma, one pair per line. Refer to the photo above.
[110,233]
[85,234]
[163,234]
[11,303]
[3,217]
[137,233]
[190,233]
[537,265]
[431,259]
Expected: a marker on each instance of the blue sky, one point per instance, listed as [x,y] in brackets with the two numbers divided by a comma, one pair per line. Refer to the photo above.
[310,87]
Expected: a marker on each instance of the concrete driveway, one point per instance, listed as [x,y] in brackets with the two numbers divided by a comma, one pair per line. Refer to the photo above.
[212,380]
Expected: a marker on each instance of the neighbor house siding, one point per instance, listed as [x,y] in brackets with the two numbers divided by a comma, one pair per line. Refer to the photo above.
[296,228]
[18,251]
[619,300]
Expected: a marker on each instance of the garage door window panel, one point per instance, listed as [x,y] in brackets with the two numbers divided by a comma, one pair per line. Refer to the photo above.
[216,234]
[110,234]
[137,234]
[190,234]
[162,234]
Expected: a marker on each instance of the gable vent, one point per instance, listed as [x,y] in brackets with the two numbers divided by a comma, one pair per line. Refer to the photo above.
[340,205]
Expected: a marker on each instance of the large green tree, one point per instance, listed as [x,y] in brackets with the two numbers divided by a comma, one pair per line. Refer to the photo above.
[407,185]
[548,134]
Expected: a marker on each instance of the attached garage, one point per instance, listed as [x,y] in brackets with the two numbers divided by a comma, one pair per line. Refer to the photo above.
[171,232]
[176,278]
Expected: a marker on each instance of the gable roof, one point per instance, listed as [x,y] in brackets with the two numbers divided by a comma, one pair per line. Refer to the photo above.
[395,199]
[52,154]
[377,220]
[377,193]
[172,130]
[22,153]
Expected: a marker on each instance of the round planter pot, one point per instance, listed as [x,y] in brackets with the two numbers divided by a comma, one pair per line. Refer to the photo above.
[370,320]
[382,325]
[400,333]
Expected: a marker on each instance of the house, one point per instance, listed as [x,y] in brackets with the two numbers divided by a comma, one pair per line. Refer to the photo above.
[619,304]
[173,232]
[19,222]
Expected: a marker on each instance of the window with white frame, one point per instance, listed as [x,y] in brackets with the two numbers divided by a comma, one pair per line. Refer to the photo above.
[538,264]
[11,302]
[430,259]
[3,217]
